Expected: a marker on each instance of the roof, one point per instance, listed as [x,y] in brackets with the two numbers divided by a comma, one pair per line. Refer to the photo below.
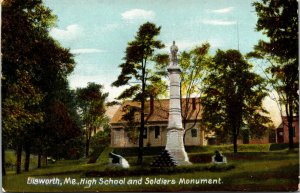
[160,111]
[111,110]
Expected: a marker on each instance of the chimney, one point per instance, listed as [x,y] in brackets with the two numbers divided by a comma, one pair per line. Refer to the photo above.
[194,103]
[151,104]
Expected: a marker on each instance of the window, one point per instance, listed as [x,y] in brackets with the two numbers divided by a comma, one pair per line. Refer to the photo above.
[194,132]
[245,138]
[281,133]
[272,137]
[145,133]
[117,136]
[156,132]
[294,132]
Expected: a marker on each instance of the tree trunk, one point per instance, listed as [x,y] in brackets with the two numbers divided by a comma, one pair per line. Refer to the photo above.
[3,160]
[235,135]
[27,157]
[87,142]
[87,147]
[141,136]
[183,120]
[291,133]
[46,160]
[39,160]
[234,144]
[289,115]
[290,119]
[141,145]
[19,158]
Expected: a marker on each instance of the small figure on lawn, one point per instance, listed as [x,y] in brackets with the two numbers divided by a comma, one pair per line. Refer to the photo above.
[218,158]
[118,160]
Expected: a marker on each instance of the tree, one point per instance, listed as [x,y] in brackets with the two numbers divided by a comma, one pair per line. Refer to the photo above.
[51,78]
[135,68]
[193,64]
[278,20]
[23,23]
[35,69]
[91,103]
[100,141]
[232,100]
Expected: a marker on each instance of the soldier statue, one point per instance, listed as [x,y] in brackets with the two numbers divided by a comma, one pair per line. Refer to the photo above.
[174,50]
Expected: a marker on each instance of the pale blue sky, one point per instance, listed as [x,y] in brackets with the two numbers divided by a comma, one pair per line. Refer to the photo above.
[97,31]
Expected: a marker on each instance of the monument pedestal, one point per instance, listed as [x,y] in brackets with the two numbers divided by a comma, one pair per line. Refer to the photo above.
[175,146]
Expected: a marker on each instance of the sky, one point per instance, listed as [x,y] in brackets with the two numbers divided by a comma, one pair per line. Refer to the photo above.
[97,31]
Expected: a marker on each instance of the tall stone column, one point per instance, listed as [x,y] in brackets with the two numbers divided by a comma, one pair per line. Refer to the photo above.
[175,130]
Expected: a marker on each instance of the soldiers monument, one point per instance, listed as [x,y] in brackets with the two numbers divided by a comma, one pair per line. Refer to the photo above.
[175,130]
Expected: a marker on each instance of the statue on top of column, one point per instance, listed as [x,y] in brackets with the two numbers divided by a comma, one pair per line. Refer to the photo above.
[174,50]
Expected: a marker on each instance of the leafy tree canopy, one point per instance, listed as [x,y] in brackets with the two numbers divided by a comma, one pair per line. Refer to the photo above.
[232,99]
[278,20]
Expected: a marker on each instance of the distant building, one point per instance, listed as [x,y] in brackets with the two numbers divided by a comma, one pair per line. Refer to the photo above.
[283,131]
[278,135]
[156,118]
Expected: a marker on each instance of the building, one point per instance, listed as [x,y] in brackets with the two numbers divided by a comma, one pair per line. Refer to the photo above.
[156,117]
[156,122]
[278,135]
[283,131]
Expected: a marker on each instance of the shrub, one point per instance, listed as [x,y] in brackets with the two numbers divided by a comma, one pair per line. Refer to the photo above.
[141,170]
[95,154]
[253,147]
[133,151]
[229,148]
[281,146]
[200,158]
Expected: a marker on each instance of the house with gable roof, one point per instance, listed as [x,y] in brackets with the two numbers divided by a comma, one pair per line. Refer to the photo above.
[156,122]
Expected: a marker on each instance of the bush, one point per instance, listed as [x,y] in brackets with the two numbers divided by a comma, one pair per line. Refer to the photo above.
[103,159]
[95,154]
[133,151]
[141,170]
[200,158]
[281,146]
[153,151]
[254,147]
[229,148]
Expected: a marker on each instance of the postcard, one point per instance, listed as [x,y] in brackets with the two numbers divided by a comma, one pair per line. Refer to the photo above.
[149,96]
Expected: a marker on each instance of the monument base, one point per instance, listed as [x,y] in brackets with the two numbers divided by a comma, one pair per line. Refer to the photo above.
[179,156]
[175,146]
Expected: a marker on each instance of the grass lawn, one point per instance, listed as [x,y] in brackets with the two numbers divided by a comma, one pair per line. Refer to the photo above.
[252,171]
